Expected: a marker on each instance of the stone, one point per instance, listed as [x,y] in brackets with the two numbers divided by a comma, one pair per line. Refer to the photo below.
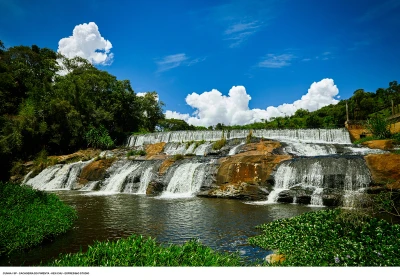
[303,199]
[95,170]
[275,258]
[385,169]
[242,191]
[331,199]
[155,188]
[285,197]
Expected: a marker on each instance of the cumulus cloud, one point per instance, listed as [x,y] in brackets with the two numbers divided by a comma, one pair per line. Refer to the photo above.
[86,42]
[212,107]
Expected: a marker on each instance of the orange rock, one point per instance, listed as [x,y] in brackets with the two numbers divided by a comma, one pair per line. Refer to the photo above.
[95,170]
[274,258]
[248,167]
[165,165]
[379,144]
[154,149]
[385,168]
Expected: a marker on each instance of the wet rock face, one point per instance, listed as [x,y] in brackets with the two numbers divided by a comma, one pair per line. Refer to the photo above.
[285,197]
[242,191]
[385,168]
[252,169]
[155,188]
[153,151]
[94,171]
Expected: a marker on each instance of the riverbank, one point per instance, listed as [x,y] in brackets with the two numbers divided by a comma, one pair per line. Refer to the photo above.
[29,217]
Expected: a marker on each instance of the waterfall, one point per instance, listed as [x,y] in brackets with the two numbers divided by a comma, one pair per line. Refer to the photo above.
[58,177]
[186,181]
[145,180]
[234,149]
[345,174]
[119,175]
[309,149]
[203,149]
[306,135]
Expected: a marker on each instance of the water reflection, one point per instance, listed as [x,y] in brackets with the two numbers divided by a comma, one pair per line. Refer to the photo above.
[222,224]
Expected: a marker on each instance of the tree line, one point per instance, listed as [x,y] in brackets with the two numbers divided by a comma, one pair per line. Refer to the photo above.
[59,105]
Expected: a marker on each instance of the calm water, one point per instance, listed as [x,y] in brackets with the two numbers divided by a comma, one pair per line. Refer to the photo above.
[221,224]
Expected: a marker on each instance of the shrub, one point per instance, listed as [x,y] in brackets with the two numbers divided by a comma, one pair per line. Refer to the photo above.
[141,251]
[136,153]
[249,137]
[365,139]
[99,138]
[28,217]
[378,126]
[177,157]
[219,144]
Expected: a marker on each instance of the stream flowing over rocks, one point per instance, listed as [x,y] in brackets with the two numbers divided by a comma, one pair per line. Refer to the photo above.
[319,167]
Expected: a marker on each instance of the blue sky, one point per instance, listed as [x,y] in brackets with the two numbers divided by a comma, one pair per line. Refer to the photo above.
[275,50]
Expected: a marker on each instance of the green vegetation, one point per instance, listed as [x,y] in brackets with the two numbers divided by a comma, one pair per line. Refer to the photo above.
[178,157]
[141,251]
[249,137]
[365,139]
[332,238]
[136,153]
[44,110]
[379,127]
[99,138]
[28,217]
[217,145]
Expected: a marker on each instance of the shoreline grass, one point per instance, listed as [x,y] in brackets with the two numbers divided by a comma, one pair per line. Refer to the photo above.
[28,217]
[137,250]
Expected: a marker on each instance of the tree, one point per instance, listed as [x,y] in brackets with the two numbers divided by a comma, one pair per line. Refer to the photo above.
[151,110]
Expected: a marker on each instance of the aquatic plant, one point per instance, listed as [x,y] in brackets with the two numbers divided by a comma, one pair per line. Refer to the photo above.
[332,238]
[28,217]
[137,250]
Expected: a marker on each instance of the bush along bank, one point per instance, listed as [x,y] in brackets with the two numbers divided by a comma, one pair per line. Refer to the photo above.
[332,238]
[28,217]
[137,250]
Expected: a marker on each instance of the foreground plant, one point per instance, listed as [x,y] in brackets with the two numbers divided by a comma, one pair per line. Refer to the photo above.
[142,251]
[332,238]
[28,217]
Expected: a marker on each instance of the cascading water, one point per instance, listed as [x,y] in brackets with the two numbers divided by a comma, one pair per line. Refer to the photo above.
[186,180]
[145,180]
[319,174]
[119,173]
[305,135]
[233,151]
[57,177]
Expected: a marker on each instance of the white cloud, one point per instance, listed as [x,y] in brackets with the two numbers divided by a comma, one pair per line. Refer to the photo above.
[240,32]
[212,107]
[141,94]
[87,42]
[276,61]
[175,60]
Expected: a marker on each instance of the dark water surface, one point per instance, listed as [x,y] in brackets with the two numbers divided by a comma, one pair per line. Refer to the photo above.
[222,224]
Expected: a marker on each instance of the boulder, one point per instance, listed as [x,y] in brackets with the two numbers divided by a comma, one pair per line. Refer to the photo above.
[94,171]
[303,199]
[241,191]
[331,199]
[385,169]
[285,197]
[275,258]
[155,188]
[153,151]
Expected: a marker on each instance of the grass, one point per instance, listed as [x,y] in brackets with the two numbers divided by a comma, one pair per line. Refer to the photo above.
[136,153]
[219,144]
[137,250]
[332,238]
[28,217]
[178,157]
[365,139]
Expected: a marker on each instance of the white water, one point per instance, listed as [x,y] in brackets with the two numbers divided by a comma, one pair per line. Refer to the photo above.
[233,151]
[203,149]
[348,174]
[307,135]
[186,181]
[58,177]
[145,180]
[309,149]
[116,182]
